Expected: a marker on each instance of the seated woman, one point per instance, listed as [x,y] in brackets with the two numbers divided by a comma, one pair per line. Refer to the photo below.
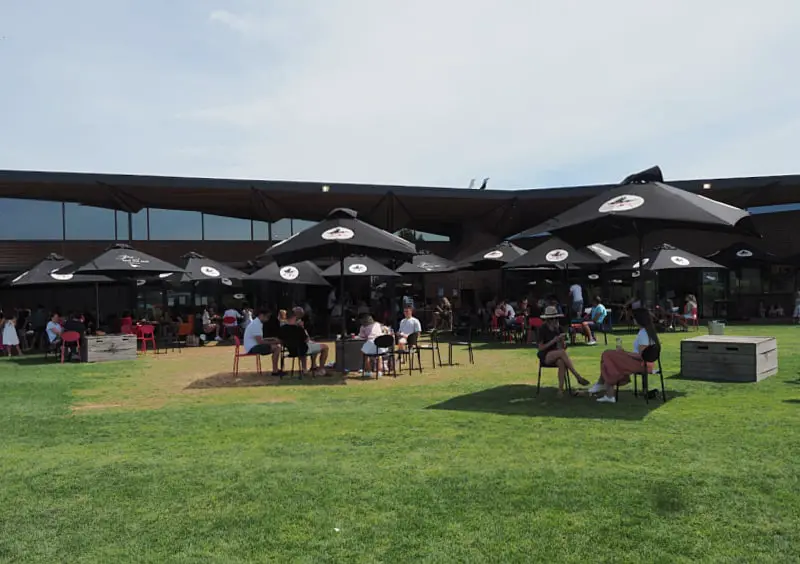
[371,330]
[552,352]
[688,312]
[616,366]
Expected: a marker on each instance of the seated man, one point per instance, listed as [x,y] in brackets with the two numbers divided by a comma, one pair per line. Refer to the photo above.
[255,343]
[312,349]
[75,323]
[597,317]
[54,330]
[408,326]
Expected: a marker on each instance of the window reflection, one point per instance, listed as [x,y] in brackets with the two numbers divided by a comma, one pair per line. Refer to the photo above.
[173,225]
[30,219]
[281,230]
[218,228]
[89,223]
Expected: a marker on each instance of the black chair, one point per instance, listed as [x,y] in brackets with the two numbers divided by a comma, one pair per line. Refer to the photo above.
[410,351]
[467,343]
[433,346]
[650,354]
[382,342]
[566,378]
[293,338]
[605,328]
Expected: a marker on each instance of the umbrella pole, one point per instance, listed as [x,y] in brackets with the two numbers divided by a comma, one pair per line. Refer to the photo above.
[97,305]
[641,268]
[341,304]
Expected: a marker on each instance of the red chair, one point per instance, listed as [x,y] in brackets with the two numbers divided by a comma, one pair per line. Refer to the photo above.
[237,354]
[229,323]
[694,320]
[147,334]
[70,338]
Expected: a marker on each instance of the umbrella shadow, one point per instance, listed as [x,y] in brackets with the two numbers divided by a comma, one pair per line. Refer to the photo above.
[254,380]
[35,360]
[794,401]
[521,400]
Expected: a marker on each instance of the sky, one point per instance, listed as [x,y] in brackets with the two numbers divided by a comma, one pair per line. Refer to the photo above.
[527,92]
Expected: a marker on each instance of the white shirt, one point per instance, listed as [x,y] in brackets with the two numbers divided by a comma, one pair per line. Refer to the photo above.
[509,311]
[642,340]
[53,330]
[232,313]
[576,293]
[409,326]
[254,329]
[247,318]
[206,319]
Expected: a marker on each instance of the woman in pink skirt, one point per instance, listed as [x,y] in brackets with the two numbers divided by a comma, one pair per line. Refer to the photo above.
[616,366]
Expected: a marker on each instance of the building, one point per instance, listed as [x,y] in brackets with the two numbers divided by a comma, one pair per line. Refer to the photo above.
[78,215]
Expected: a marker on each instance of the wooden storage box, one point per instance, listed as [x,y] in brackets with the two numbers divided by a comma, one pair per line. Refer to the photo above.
[729,359]
[110,347]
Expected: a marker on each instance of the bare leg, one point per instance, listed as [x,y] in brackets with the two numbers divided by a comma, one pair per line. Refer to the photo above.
[563,356]
[323,356]
[587,331]
[562,375]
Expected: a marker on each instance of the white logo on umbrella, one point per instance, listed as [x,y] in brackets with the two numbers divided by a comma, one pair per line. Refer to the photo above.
[20,277]
[289,272]
[428,265]
[338,234]
[635,274]
[238,296]
[60,277]
[209,271]
[599,250]
[623,203]
[556,255]
[164,275]
[133,261]
[644,263]
[357,268]
[493,255]
[594,277]
[744,253]
[226,281]
[140,282]
[680,261]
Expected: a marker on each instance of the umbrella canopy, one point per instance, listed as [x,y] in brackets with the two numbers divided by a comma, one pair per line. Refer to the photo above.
[557,253]
[123,261]
[426,263]
[667,257]
[55,270]
[303,273]
[358,266]
[642,204]
[742,254]
[339,235]
[201,269]
[492,258]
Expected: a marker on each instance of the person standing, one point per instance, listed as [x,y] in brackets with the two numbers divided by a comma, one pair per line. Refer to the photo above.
[10,336]
[576,295]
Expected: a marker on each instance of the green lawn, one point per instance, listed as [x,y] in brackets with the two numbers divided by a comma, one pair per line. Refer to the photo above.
[462,464]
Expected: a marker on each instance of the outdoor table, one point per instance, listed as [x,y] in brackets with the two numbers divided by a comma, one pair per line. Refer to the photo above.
[350,351]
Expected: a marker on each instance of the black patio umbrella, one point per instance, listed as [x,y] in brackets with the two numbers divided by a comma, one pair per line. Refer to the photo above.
[358,266]
[560,254]
[55,270]
[339,235]
[742,255]
[426,263]
[492,258]
[302,273]
[640,205]
[667,257]
[198,268]
[123,261]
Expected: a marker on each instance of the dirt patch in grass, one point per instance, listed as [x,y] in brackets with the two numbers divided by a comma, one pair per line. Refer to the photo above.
[228,380]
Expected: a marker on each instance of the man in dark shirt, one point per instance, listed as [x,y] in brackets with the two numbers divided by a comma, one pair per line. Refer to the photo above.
[74,323]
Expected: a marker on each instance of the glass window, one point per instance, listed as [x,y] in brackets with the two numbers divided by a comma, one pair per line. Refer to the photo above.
[260,231]
[173,225]
[122,226]
[750,281]
[86,222]
[30,219]
[413,235]
[218,228]
[281,230]
[139,221]
[299,225]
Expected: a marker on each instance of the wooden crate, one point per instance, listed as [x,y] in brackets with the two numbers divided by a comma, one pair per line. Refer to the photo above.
[729,359]
[110,347]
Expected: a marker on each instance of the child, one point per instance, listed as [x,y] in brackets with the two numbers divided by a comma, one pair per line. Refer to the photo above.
[10,336]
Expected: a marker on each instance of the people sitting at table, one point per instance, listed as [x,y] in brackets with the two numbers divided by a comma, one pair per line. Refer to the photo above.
[74,323]
[596,318]
[552,348]
[10,337]
[776,311]
[616,366]
[689,311]
[54,330]
[210,326]
[408,326]
[255,343]
[283,315]
[318,352]
[371,330]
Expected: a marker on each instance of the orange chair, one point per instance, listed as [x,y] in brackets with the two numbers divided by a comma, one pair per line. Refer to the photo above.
[147,334]
[237,354]
[70,338]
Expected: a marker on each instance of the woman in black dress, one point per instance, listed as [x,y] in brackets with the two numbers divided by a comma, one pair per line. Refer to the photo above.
[552,348]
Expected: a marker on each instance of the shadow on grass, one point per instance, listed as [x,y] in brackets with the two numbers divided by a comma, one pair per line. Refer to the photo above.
[35,360]
[794,401]
[521,399]
[252,379]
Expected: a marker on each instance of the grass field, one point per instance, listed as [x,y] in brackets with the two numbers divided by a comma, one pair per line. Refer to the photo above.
[169,460]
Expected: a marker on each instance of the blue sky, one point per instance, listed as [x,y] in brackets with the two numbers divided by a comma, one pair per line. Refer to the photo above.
[530,93]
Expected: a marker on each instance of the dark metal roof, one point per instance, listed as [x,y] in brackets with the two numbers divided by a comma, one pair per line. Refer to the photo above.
[431,209]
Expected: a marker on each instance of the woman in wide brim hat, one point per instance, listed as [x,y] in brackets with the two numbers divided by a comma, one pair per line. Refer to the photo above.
[552,348]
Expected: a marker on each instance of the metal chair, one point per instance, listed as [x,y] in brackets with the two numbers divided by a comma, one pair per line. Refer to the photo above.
[383,342]
[650,354]
[567,381]
[467,343]
[410,350]
[70,338]
[433,346]
[237,354]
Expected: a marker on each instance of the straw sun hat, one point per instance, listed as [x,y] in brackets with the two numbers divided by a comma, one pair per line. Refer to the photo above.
[551,312]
